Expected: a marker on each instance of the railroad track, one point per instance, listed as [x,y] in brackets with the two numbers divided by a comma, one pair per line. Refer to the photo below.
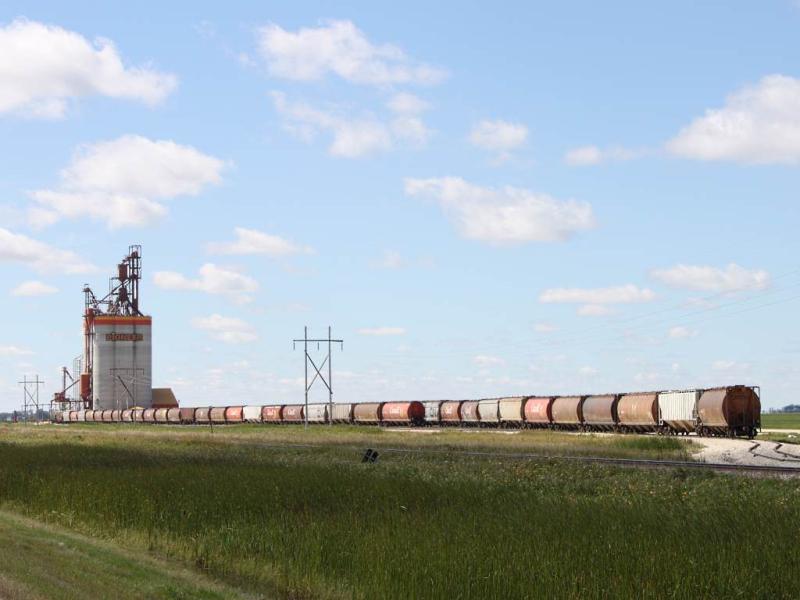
[786,457]
[626,462]
[629,462]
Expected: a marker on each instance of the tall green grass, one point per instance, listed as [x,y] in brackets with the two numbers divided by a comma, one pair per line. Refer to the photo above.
[317,523]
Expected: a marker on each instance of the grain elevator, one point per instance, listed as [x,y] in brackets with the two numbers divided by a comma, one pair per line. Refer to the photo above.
[117,353]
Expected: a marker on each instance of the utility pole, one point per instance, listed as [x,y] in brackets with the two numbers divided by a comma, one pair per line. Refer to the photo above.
[328,359]
[28,397]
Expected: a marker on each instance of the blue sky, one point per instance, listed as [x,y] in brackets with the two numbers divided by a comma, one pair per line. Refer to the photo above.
[526,198]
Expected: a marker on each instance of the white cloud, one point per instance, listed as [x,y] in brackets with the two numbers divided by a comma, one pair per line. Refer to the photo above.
[382,331]
[680,332]
[33,288]
[544,328]
[505,215]
[498,136]
[729,366]
[623,294]
[212,280]
[14,351]
[405,103]
[596,300]
[42,257]
[732,278]
[391,259]
[44,67]
[483,360]
[592,155]
[351,137]
[339,47]
[759,124]
[226,329]
[252,241]
[594,310]
[122,181]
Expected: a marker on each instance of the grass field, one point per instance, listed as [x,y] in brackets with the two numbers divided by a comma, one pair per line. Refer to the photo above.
[314,522]
[780,420]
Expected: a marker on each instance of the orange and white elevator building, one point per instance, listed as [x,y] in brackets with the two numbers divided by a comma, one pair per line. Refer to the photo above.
[118,343]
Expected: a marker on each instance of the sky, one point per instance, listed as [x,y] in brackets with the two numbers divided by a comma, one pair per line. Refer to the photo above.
[527,198]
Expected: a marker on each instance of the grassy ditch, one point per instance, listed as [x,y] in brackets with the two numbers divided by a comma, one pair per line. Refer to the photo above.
[42,561]
[298,522]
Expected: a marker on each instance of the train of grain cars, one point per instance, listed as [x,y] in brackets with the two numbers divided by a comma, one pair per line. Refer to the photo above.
[729,411]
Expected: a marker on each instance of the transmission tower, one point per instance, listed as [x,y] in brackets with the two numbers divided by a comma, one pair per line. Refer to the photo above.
[30,398]
[318,369]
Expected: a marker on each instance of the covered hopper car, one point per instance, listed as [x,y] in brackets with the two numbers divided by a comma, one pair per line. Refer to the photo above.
[729,411]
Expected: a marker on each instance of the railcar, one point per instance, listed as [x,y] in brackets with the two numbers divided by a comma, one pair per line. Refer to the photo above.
[638,412]
[234,414]
[293,413]
[367,413]
[539,411]
[318,413]
[731,411]
[469,413]
[450,412]
[511,411]
[489,412]
[599,413]
[403,413]
[567,412]
[251,414]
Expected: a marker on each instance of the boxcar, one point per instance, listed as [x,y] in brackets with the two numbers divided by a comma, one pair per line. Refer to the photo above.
[432,411]
[512,413]
[251,414]
[174,415]
[450,412]
[271,414]
[539,411]
[729,411]
[638,412]
[343,413]
[293,413]
[489,412]
[217,414]
[187,415]
[202,415]
[367,412]
[234,414]
[678,411]
[600,412]
[469,413]
[317,413]
[567,412]
[403,413]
